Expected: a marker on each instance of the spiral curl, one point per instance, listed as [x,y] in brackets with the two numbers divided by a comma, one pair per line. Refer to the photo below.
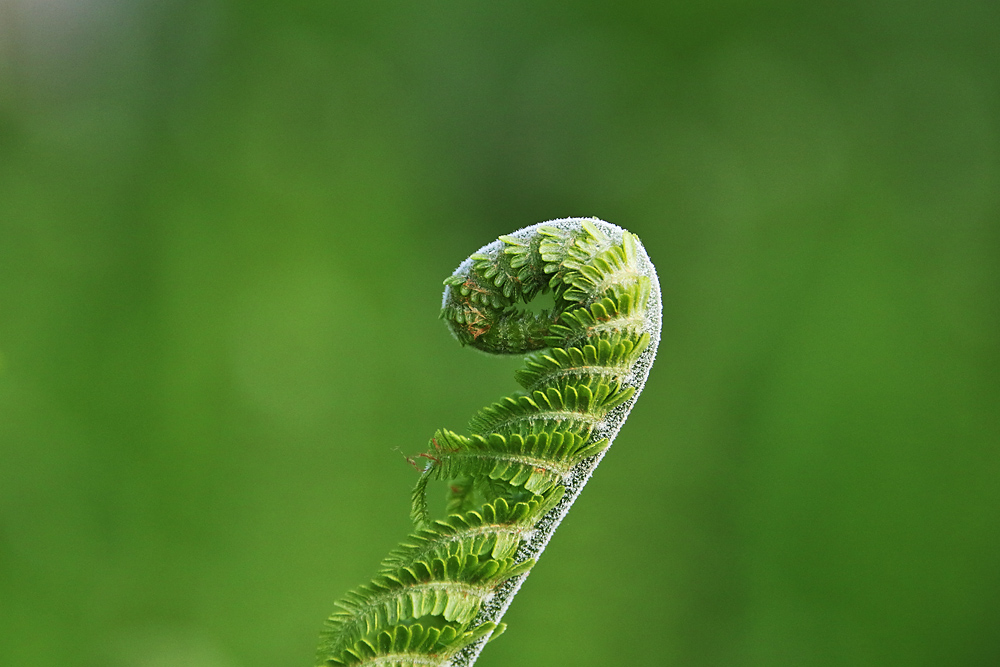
[440,596]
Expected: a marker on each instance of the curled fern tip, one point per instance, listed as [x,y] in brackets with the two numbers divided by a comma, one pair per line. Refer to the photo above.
[439,597]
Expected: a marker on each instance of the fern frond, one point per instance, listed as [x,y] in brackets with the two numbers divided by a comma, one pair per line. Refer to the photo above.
[410,646]
[617,314]
[608,357]
[537,461]
[500,331]
[453,588]
[526,265]
[565,251]
[611,271]
[574,407]
[477,290]
[496,529]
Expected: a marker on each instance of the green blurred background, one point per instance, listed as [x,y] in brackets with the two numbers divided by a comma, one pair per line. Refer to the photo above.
[223,230]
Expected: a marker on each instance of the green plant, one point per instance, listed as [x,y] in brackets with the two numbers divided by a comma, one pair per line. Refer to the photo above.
[439,597]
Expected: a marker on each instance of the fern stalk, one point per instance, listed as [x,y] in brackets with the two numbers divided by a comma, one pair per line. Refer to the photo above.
[440,596]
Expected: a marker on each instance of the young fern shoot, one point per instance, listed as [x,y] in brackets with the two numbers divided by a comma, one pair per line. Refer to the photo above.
[440,596]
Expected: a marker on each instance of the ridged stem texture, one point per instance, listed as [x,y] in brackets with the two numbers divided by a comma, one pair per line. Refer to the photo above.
[439,597]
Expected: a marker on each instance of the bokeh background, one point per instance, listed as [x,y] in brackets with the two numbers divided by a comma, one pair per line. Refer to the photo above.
[223,230]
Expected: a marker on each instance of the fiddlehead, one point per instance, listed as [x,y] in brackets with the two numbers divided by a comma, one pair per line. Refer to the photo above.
[440,596]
